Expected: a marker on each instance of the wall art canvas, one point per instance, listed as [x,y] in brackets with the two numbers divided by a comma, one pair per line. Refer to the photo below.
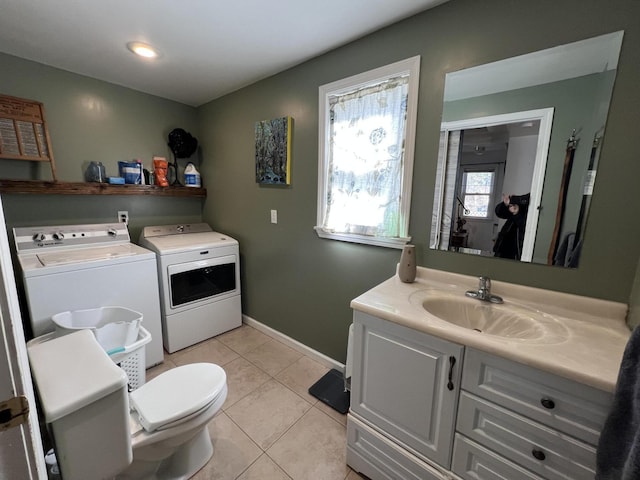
[273,151]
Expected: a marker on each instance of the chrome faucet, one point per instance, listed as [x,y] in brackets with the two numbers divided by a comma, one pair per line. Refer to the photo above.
[484,292]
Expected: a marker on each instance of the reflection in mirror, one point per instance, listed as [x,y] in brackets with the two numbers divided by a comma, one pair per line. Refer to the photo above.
[491,155]
[519,148]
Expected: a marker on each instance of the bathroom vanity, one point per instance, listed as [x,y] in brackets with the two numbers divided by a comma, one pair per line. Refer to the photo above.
[519,390]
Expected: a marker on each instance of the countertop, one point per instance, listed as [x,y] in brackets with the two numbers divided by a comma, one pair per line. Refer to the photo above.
[585,344]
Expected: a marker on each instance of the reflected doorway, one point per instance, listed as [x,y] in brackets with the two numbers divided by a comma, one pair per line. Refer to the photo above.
[502,154]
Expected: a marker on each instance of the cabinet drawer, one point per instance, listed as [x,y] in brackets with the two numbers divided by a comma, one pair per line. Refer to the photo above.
[565,405]
[375,456]
[529,444]
[474,462]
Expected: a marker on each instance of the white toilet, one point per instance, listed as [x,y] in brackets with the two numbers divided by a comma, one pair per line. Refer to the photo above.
[99,430]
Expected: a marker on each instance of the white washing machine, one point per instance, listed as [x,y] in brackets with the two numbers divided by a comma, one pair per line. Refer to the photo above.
[75,267]
[199,274]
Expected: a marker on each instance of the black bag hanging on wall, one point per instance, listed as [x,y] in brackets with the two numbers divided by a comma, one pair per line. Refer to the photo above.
[183,145]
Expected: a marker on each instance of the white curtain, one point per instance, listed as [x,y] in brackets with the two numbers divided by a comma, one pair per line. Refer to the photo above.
[366,142]
[444,195]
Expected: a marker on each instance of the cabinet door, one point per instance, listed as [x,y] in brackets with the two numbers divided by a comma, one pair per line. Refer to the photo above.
[406,383]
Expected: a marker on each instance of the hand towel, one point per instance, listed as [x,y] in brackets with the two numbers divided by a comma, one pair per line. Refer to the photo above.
[618,454]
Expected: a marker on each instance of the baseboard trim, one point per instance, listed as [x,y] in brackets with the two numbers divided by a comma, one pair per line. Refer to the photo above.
[296,345]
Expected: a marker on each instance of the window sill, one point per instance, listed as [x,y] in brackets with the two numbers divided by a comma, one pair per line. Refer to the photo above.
[397,243]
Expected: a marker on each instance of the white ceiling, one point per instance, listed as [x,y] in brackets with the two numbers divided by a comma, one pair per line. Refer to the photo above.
[209,48]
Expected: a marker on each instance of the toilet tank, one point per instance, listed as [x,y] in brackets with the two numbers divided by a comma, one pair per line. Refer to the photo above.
[84,399]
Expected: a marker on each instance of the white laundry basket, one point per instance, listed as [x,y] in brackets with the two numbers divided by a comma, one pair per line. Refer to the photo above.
[118,332]
[131,359]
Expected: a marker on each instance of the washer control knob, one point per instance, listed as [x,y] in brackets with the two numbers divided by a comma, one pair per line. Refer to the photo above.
[58,236]
[112,232]
[38,237]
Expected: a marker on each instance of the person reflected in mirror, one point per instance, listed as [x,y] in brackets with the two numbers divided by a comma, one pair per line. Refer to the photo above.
[514,209]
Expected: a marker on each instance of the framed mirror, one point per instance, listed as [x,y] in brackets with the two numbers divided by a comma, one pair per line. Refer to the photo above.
[519,149]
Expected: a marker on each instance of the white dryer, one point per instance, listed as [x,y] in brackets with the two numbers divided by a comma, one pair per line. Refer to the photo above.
[75,267]
[199,274]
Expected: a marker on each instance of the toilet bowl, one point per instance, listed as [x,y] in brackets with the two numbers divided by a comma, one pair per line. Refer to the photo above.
[99,430]
[168,422]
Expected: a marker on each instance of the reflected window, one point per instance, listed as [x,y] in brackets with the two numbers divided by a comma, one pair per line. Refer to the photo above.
[477,192]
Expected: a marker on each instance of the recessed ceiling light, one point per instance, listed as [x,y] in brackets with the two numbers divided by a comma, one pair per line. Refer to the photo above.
[143,49]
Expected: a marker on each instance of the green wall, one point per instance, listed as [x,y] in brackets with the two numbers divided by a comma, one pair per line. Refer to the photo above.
[294,281]
[93,120]
[300,284]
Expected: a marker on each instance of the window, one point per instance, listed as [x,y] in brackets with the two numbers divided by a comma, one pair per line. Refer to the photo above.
[477,192]
[366,143]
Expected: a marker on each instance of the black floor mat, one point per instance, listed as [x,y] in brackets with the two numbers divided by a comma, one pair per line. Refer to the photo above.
[330,390]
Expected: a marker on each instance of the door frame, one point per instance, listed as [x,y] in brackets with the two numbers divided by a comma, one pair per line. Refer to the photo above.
[26,460]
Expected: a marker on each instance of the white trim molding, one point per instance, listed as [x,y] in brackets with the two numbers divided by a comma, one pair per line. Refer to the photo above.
[296,345]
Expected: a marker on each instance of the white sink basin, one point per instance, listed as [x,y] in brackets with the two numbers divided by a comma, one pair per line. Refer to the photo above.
[508,320]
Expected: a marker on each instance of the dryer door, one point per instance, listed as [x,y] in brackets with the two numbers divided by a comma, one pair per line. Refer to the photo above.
[201,280]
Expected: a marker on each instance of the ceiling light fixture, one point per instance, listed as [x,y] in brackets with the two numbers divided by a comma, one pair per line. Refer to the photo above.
[143,50]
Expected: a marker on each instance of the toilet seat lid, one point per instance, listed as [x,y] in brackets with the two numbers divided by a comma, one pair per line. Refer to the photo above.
[177,393]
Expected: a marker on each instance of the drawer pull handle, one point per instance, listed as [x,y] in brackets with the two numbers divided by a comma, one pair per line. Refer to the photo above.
[452,362]
[548,403]
[538,454]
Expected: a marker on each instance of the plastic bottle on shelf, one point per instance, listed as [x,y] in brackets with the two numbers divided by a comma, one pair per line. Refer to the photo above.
[141,167]
[192,176]
[160,166]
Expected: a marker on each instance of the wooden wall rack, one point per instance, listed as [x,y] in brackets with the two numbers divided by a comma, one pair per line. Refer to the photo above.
[23,132]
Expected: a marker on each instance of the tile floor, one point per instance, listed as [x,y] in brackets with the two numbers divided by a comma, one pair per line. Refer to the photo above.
[269,428]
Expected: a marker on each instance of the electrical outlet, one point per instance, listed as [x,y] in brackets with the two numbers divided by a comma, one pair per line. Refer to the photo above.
[274,216]
[123,217]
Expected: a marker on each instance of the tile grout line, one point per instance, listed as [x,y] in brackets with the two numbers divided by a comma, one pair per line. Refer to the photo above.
[311,406]
[274,377]
[242,430]
[285,432]
[292,343]
[279,466]
[238,341]
[271,377]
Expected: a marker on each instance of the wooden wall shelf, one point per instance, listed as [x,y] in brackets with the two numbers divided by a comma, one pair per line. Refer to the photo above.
[83,188]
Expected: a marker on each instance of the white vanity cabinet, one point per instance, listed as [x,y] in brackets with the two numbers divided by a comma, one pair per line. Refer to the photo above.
[423,408]
[513,417]
[405,385]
